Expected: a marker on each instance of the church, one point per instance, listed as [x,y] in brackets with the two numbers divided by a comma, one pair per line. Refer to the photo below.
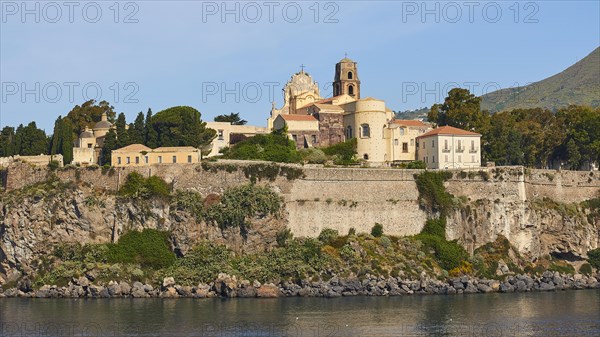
[314,121]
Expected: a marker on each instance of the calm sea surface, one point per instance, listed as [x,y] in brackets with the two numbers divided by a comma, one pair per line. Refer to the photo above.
[569,313]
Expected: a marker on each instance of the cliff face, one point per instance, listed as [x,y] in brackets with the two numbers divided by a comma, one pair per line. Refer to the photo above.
[540,212]
[35,221]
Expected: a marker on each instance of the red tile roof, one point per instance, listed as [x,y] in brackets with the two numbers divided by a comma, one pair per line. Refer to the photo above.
[449,130]
[408,122]
[300,118]
[134,148]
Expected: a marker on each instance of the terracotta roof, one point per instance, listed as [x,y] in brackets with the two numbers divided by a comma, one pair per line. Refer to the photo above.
[330,99]
[449,130]
[134,148]
[410,122]
[174,149]
[300,118]
[328,106]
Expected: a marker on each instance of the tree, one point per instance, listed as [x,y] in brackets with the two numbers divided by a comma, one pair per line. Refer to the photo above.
[31,141]
[150,135]
[110,144]
[7,142]
[89,113]
[460,109]
[122,134]
[137,130]
[233,118]
[62,139]
[181,126]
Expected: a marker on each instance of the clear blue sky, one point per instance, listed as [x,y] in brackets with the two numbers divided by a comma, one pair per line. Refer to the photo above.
[185,52]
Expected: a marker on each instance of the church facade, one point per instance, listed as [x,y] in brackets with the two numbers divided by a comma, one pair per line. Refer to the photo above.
[315,121]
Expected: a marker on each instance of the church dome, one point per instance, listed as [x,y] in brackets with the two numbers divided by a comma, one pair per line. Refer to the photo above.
[346,60]
[102,125]
[86,134]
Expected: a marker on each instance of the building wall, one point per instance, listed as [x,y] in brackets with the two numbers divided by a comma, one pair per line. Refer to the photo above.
[444,152]
[372,113]
[84,156]
[41,160]
[331,128]
[135,158]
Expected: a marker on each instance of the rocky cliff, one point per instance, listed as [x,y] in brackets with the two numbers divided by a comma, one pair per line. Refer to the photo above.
[540,212]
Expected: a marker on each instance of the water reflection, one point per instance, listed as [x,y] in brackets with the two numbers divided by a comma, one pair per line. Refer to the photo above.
[572,313]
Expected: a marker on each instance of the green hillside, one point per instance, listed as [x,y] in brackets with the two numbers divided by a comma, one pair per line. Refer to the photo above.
[579,84]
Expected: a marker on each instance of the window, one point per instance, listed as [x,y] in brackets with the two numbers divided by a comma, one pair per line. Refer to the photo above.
[365,131]
[220,134]
[314,138]
[174,159]
[396,142]
[366,156]
[128,160]
[405,147]
[472,159]
[432,143]
[336,90]
[351,90]
[90,145]
[401,131]
[412,142]
[146,159]
[472,145]
[189,159]
[446,158]
[446,144]
[349,75]
[119,160]
[459,159]
[427,159]
[423,144]
[349,132]
[295,138]
[160,159]
[137,160]
[433,159]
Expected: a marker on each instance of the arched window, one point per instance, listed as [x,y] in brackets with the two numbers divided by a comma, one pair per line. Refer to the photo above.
[366,156]
[350,75]
[365,131]
[351,90]
[349,132]
[336,90]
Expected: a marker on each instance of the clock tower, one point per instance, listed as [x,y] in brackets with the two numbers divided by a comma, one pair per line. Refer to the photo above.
[346,79]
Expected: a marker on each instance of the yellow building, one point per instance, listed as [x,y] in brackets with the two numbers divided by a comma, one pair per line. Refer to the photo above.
[402,138]
[141,155]
[229,134]
[448,147]
[88,146]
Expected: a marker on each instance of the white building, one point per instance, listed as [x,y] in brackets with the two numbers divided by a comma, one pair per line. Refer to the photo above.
[448,147]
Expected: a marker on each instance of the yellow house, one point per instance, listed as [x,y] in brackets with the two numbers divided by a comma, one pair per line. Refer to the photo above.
[402,138]
[141,155]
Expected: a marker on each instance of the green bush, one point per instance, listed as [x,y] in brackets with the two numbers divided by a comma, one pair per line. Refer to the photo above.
[327,235]
[449,254]
[53,165]
[138,186]
[432,193]
[594,258]
[344,153]
[276,147]
[377,230]
[416,165]
[150,248]
[313,156]
[241,203]
[436,227]
[284,236]
[585,269]
[189,201]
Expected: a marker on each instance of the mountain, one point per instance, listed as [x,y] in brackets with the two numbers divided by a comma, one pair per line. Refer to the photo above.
[413,114]
[579,84]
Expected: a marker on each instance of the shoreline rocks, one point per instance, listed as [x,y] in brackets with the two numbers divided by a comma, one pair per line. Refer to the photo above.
[227,286]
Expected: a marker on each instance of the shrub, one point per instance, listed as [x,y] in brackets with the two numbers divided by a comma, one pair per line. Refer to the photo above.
[138,186]
[190,202]
[276,147]
[432,193]
[150,248]
[344,152]
[327,235]
[238,204]
[436,227]
[284,236]
[449,254]
[352,231]
[594,258]
[53,165]
[313,156]
[416,165]
[377,230]
[585,269]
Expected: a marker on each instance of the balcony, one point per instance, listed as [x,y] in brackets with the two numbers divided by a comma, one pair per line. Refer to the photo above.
[474,150]
[446,149]
[460,149]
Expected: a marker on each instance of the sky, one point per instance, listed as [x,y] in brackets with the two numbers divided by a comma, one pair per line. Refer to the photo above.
[236,56]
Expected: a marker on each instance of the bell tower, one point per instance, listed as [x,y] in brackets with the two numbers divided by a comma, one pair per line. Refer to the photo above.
[346,79]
